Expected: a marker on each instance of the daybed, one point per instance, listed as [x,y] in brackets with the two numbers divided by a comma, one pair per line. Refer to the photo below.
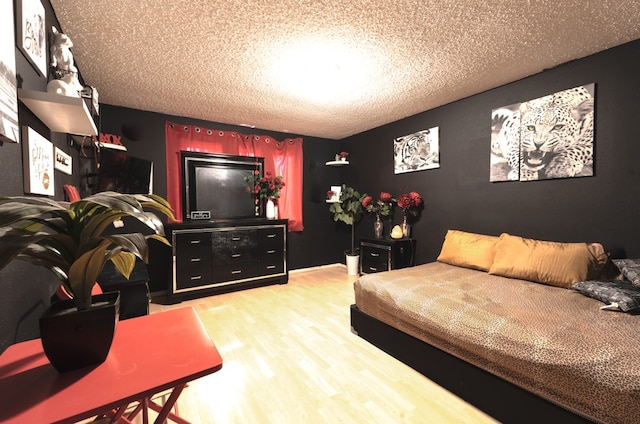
[496,321]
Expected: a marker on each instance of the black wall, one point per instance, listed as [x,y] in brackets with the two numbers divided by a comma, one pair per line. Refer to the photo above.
[25,288]
[319,243]
[458,195]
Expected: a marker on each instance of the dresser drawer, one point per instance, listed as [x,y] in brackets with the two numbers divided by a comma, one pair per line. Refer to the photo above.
[190,276]
[375,258]
[271,238]
[231,272]
[190,244]
[266,268]
[234,247]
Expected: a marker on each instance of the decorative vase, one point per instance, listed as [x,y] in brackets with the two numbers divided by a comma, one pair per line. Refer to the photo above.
[73,339]
[406,227]
[378,226]
[270,209]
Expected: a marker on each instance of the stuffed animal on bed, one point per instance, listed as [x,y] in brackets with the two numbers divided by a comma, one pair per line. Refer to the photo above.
[66,74]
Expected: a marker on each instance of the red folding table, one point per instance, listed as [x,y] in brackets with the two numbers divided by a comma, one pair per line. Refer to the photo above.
[149,355]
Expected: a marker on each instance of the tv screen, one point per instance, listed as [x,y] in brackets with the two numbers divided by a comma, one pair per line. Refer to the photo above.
[217,184]
[124,173]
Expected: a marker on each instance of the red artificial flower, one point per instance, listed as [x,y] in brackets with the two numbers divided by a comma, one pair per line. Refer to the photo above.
[404,201]
[410,202]
[368,200]
[344,154]
[385,197]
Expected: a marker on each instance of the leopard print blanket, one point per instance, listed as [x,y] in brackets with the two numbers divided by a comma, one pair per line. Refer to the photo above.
[551,341]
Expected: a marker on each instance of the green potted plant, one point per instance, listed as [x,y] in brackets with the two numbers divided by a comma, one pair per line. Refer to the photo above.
[68,239]
[348,209]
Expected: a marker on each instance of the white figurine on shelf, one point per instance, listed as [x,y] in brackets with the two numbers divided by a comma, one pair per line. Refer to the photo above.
[66,74]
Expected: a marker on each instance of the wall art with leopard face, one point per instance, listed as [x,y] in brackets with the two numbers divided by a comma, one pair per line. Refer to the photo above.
[544,138]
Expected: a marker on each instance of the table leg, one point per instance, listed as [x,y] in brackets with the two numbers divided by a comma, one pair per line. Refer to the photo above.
[164,412]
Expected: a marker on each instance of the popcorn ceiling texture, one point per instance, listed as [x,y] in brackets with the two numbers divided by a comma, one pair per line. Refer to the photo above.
[323,68]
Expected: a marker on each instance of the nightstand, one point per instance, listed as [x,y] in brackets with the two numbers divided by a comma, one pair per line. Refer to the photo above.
[383,254]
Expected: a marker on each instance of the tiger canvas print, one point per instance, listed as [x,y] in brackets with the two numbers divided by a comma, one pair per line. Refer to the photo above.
[417,151]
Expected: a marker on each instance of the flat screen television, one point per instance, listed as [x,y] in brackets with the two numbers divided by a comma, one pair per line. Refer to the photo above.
[215,186]
[124,173]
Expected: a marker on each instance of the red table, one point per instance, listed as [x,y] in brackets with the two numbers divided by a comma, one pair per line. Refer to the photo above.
[150,354]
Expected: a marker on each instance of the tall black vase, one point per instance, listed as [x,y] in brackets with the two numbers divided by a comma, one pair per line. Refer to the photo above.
[73,339]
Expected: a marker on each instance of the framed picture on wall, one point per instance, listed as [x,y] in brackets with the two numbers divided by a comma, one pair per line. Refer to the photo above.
[9,130]
[32,33]
[38,163]
[63,162]
[417,151]
[545,138]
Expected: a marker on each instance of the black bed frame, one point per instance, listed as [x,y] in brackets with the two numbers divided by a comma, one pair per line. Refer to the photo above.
[498,398]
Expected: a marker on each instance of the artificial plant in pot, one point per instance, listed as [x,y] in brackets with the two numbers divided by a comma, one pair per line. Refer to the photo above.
[68,239]
[349,210]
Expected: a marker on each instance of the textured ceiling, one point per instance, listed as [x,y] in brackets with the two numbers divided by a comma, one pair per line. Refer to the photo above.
[326,68]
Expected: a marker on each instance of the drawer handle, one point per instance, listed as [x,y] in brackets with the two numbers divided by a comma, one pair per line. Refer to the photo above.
[372,268]
[196,277]
[271,235]
[271,267]
[235,238]
[375,255]
[195,259]
[270,252]
[237,271]
[194,241]
[236,255]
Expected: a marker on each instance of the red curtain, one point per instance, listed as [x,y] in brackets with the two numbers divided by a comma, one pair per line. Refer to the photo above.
[280,158]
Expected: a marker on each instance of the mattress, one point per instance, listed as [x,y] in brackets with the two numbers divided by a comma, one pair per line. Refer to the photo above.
[551,341]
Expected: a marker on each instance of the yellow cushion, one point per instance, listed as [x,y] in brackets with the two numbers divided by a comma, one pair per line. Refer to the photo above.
[468,250]
[553,263]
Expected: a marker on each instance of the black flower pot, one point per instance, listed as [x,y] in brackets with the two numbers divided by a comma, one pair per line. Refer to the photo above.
[73,339]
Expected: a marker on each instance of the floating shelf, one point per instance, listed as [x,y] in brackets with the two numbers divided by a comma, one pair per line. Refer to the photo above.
[337,163]
[85,141]
[64,114]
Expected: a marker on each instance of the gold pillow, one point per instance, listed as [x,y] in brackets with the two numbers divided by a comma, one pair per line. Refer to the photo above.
[553,263]
[468,250]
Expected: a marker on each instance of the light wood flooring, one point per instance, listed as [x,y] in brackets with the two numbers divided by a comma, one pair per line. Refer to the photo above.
[290,357]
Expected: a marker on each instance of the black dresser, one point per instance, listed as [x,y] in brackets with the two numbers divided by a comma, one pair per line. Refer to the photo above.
[212,257]
[383,254]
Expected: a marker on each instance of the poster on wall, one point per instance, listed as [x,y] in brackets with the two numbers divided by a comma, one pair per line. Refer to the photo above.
[8,94]
[545,138]
[417,151]
[32,34]
[38,163]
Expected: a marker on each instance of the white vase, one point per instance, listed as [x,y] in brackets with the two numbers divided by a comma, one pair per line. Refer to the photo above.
[353,264]
[270,209]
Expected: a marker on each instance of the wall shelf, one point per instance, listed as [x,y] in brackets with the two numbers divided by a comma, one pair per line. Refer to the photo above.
[60,113]
[337,163]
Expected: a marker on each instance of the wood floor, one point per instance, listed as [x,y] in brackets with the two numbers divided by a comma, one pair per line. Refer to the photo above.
[290,357]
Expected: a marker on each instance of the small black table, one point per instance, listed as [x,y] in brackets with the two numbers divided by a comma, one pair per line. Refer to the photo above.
[383,254]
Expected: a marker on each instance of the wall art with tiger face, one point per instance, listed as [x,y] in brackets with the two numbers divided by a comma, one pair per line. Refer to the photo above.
[417,151]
